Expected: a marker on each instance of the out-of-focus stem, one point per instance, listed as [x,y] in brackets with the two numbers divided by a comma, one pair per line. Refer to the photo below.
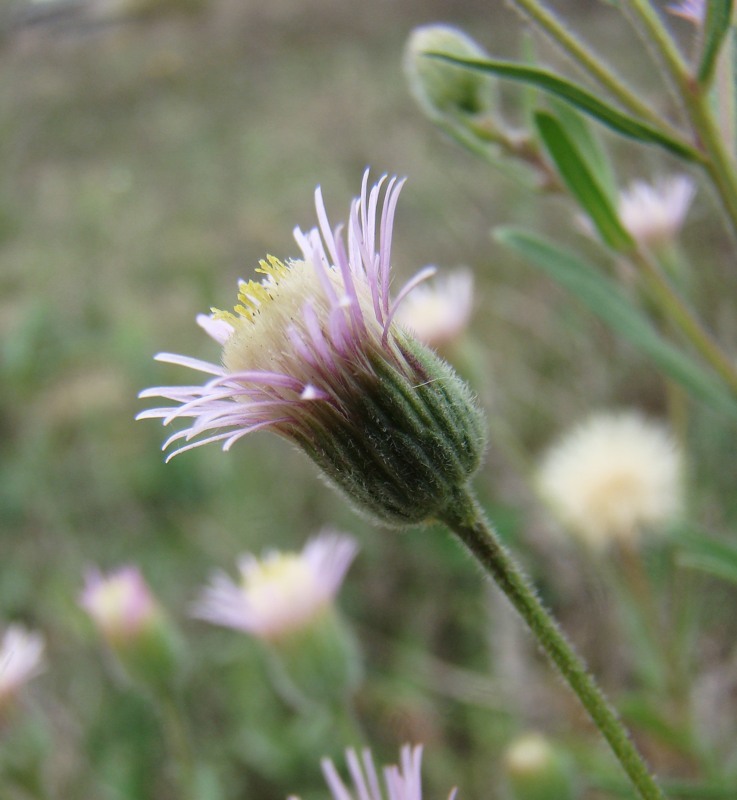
[718,163]
[591,62]
[675,309]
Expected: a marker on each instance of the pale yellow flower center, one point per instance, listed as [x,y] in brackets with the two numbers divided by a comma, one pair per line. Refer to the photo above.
[282,587]
[267,309]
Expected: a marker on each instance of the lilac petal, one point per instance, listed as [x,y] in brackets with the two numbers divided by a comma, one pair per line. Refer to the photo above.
[359,782]
[385,239]
[422,275]
[189,361]
[322,219]
[335,784]
[217,329]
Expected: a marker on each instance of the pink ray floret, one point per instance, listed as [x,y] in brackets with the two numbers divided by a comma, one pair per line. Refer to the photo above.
[401,782]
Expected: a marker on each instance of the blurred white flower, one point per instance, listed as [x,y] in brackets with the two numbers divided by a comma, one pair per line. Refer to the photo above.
[402,782]
[280,592]
[21,658]
[613,476]
[654,213]
[692,10]
[438,312]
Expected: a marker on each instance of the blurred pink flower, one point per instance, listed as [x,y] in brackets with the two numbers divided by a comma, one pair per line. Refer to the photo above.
[21,659]
[438,313]
[654,213]
[279,592]
[692,10]
[402,782]
[121,603]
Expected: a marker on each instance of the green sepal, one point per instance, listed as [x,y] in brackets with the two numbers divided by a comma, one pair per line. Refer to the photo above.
[405,438]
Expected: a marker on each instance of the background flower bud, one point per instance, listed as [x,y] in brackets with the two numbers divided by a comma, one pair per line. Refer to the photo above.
[440,88]
[535,770]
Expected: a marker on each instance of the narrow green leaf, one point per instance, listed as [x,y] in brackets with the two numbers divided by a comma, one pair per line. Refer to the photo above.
[589,145]
[581,182]
[579,97]
[716,27]
[603,297]
[716,556]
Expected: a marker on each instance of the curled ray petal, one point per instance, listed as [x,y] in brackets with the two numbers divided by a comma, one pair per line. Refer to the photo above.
[302,241]
[371,774]
[354,767]
[259,377]
[312,325]
[217,329]
[360,255]
[322,268]
[453,794]
[175,393]
[333,780]
[322,219]
[369,228]
[252,429]
[422,275]
[339,329]
[175,437]
[216,438]
[188,361]
[385,237]
[300,347]
[344,265]
[361,202]
[154,413]
[197,401]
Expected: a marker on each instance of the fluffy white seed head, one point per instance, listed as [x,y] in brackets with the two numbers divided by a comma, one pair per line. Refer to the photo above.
[612,477]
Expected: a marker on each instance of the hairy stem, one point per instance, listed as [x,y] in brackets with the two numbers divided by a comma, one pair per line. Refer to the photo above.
[465,518]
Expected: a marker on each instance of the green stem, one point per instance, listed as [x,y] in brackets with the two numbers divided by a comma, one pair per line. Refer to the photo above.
[466,519]
[718,163]
[591,63]
[180,745]
[675,310]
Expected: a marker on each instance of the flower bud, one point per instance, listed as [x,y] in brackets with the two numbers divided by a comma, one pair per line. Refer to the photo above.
[133,625]
[442,89]
[535,770]
[313,353]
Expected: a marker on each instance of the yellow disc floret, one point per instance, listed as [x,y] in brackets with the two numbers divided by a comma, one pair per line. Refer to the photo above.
[265,312]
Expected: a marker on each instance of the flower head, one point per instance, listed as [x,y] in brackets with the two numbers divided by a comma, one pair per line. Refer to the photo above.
[438,314]
[21,659]
[120,604]
[654,213]
[612,476]
[312,352]
[401,782]
[280,592]
[692,10]
[133,624]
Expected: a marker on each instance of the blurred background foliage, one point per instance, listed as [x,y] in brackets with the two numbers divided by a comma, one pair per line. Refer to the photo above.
[152,152]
